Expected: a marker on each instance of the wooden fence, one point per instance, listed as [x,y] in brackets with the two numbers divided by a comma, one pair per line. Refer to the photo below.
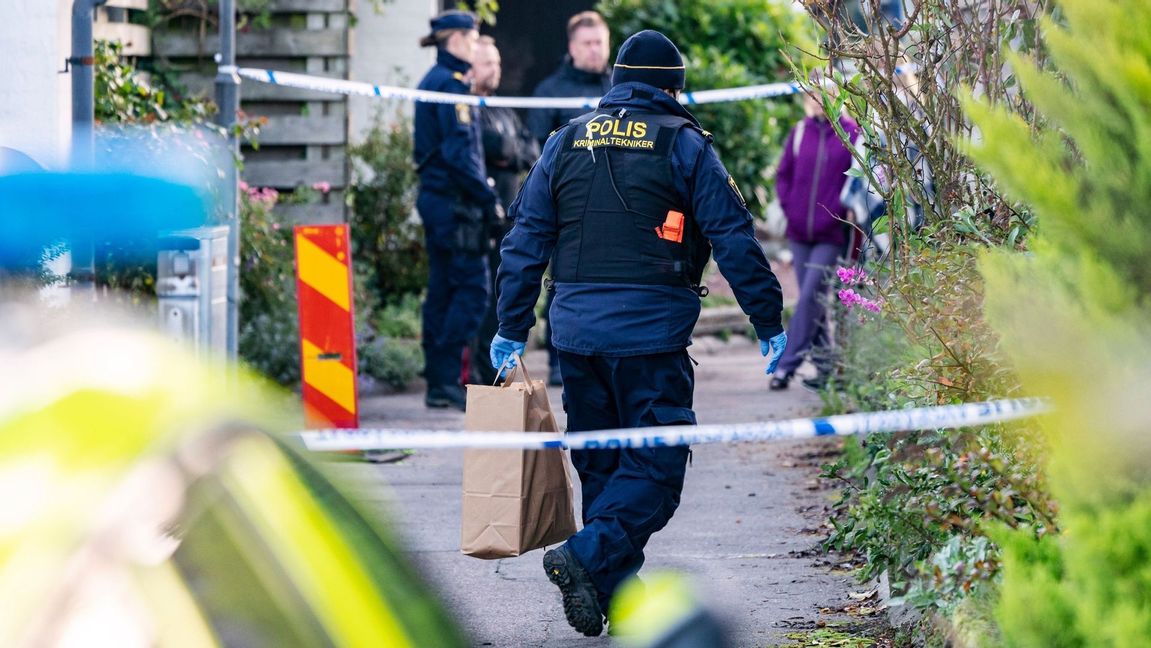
[305,139]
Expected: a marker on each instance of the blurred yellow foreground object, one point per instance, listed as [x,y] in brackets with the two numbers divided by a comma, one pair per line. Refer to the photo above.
[148,501]
[662,612]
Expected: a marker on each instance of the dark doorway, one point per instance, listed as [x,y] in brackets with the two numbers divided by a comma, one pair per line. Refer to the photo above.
[532,38]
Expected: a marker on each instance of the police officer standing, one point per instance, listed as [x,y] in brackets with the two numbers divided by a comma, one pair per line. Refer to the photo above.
[632,199]
[454,203]
[583,73]
[509,151]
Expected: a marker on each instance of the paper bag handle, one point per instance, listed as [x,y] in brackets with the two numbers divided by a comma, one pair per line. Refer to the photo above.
[519,366]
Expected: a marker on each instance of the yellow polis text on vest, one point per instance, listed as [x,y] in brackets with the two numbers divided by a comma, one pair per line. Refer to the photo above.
[615,132]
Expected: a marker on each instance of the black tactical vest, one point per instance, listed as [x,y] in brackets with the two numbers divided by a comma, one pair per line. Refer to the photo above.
[621,219]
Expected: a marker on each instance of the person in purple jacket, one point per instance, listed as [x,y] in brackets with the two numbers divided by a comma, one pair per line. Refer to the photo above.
[808,184]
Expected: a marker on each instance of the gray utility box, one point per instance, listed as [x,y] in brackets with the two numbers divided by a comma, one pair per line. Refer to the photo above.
[192,287]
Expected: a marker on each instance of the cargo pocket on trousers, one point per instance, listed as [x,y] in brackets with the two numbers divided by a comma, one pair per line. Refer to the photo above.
[671,415]
[667,464]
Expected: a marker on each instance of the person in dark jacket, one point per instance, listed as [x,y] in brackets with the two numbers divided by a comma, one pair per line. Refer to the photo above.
[454,201]
[583,73]
[509,151]
[808,183]
[632,200]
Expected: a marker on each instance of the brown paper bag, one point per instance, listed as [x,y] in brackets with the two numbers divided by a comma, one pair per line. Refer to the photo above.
[514,500]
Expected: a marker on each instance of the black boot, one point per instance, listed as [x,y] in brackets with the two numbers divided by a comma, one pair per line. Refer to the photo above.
[825,382]
[443,396]
[579,594]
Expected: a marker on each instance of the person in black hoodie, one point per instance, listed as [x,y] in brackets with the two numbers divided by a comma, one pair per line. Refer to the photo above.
[583,73]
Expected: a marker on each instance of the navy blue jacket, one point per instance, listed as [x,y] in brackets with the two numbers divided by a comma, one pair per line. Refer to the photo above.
[566,81]
[628,319]
[447,147]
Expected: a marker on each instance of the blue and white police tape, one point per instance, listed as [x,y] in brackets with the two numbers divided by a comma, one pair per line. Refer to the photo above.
[359,88]
[923,418]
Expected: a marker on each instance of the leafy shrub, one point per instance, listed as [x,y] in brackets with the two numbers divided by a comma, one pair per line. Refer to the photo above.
[400,318]
[1076,319]
[911,501]
[123,96]
[930,341]
[269,320]
[908,497]
[388,250]
[394,361]
[922,506]
[725,44]
[387,240]
[269,327]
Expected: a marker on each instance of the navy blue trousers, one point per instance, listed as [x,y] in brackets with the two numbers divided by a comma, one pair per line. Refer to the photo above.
[457,292]
[628,493]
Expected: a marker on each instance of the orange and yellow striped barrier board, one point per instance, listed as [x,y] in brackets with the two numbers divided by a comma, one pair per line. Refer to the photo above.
[327,326]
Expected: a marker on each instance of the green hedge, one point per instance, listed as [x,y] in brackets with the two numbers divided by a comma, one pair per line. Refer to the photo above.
[1076,318]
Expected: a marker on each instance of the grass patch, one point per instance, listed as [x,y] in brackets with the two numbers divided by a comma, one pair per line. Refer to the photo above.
[828,637]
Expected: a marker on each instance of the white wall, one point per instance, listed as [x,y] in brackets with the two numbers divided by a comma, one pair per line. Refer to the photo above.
[35,100]
[386,51]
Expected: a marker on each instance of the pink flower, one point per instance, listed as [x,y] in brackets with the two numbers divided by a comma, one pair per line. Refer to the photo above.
[243,186]
[849,298]
[853,276]
[322,187]
[266,196]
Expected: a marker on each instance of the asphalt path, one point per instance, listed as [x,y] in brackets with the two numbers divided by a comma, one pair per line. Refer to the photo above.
[746,533]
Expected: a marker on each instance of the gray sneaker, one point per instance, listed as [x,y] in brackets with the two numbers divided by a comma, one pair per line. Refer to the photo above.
[579,594]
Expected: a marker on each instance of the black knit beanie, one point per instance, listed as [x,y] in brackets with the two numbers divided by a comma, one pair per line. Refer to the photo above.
[649,57]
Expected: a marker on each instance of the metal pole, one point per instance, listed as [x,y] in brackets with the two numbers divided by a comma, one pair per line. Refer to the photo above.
[83,135]
[228,100]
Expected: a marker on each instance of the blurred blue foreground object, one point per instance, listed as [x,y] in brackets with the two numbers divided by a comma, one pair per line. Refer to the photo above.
[40,209]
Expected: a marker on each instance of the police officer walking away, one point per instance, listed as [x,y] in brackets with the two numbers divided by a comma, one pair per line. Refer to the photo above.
[509,151]
[583,73]
[632,199]
[454,202]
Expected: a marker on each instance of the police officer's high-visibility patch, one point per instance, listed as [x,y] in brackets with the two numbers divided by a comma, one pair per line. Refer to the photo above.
[605,130]
[735,188]
[464,113]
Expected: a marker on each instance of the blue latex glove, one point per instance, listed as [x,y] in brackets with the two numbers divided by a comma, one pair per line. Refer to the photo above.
[502,349]
[775,345]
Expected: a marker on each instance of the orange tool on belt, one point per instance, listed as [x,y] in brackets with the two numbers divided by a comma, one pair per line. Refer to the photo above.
[672,229]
